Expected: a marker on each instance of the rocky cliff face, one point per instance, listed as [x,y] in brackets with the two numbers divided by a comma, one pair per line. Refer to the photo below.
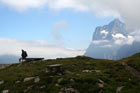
[112,41]
[106,32]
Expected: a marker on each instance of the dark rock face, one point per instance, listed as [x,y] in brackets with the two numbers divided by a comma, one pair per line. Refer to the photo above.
[110,42]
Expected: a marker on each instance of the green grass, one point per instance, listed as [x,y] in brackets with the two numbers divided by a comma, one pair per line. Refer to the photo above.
[133,61]
[111,72]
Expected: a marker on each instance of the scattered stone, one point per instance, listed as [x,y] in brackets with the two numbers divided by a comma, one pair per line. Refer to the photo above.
[86,71]
[28,88]
[37,80]
[119,89]
[5,91]
[28,79]
[56,85]
[59,80]
[1,82]
[71,80]
[97,71]
[42,86]
[100,83]
[17,82]
[68,90]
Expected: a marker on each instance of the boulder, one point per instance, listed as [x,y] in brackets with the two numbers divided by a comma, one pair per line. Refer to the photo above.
[5,91]
[55,69]
[28,79]
[1,82]
[100,83]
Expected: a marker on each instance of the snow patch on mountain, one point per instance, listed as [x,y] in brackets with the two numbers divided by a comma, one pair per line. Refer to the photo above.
[105,33]
[118,36]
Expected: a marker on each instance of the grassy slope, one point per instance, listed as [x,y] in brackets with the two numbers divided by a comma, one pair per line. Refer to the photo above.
[112,73]
[133,61]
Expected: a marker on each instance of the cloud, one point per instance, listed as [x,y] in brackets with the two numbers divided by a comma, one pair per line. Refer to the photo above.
[41,48]
[128,10]
[100,41]
[56,30]
[23,5]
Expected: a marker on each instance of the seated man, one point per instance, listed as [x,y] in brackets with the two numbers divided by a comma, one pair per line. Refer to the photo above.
[23,55]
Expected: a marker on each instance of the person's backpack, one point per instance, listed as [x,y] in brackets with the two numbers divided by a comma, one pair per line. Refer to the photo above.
[25,53]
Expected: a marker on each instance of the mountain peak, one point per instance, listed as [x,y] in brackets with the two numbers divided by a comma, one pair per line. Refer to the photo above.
[116,22]
[106,31]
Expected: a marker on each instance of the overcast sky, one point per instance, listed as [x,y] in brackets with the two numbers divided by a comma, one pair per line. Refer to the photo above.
[59,28]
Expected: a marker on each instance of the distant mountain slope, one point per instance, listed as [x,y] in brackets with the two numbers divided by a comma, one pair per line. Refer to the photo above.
[8,59]
[112,41]
[81,75]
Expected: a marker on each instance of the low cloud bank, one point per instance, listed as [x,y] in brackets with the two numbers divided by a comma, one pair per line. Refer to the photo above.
[47,50]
